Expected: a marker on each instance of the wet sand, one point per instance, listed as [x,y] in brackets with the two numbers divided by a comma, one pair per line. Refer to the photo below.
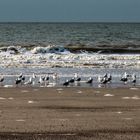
[69,114]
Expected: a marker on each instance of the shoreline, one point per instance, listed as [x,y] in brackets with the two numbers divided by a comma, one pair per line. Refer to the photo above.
[72,87]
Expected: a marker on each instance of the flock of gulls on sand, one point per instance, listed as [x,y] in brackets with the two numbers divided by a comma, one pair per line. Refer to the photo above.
[107,78]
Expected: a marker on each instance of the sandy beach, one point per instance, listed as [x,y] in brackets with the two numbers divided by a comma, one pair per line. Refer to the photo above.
[69,113]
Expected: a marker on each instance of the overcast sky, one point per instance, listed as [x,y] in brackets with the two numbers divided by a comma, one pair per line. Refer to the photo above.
[70,10]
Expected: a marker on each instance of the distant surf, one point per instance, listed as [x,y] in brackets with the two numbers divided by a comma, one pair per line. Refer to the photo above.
[102,49]
[59,56]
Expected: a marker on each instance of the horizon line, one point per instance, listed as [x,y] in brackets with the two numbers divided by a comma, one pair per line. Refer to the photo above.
[69,21]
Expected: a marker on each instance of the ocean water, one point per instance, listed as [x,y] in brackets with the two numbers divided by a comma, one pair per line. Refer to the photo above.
[90,49]
[93,35]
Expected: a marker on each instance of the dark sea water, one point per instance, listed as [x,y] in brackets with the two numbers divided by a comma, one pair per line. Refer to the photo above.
[72,35]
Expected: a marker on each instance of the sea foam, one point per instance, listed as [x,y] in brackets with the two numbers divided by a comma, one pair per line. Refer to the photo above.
[53,56]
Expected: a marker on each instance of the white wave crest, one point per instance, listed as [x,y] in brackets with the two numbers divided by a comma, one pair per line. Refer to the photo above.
[49,49]
[53,56]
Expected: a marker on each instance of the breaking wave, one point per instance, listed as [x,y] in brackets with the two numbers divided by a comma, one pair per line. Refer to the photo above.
[35,50]
[59,56]
[72,49]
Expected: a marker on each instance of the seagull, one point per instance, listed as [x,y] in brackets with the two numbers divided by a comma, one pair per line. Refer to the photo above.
[75,75]
[109,78]
[18,81]
[33,76]
[124,78]
[99,79]
[134,79]
[55,76]
[66,83]
[20,76]
[29,82]
[104,80]
[106,75]
[71,80]
[90,80]
[77,78]
[1,79]
[23,78]
[41,80]
[47,78]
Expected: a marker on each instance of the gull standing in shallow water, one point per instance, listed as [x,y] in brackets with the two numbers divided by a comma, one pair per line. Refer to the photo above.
[89,81]
[124,78]
[20,76]
[99,79]
[20,79]
[71,80]
[134,79]
[77,78]
[29,82]
[47,78]
[103,79]
[1,79]
[66,83]
[33,78]
[41,80]
[109,78]
[55,77]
